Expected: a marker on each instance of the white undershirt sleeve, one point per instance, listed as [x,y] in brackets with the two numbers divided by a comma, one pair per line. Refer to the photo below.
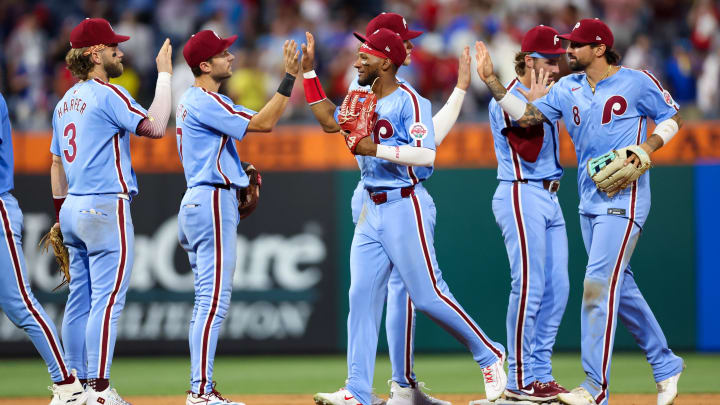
[159,112]
[448,114]
[406,155]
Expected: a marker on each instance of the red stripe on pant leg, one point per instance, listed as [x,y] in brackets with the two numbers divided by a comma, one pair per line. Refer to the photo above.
[408,342]
[524,275]
[428,263]
[611,301]
[49,337]
[105,331]
[216,291]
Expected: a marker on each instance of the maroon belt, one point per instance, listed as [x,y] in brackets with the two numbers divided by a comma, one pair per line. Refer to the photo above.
[380,197]
[550,185]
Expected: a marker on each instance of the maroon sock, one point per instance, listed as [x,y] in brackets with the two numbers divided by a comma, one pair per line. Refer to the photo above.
[99,384]
[69,380]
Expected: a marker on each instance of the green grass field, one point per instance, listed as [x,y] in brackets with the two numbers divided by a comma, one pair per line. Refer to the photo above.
[452,373]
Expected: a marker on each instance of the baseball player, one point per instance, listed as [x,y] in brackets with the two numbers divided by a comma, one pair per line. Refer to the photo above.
[528,213]
[400,315]
[208,124]
[16,299]
[93,184]
[605,108]
[395,228]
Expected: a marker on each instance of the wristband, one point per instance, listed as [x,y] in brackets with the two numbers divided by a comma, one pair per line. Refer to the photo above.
[513,106]
[286,85]
[57,203]
[666,130]
[313,89]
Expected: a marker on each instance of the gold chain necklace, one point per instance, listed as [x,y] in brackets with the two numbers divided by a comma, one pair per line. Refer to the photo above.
[592,86]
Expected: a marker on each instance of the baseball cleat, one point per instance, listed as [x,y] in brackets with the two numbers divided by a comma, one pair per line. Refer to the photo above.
[535,392]
[69,394]
[411,396]
[667,389]
[106,397]
[209,398]
[495,379]
[339,397]
[559,389]
[578,396]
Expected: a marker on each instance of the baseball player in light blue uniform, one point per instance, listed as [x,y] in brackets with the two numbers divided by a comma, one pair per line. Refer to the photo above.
[208,124]
[528,212]
[16,298]
[92,171]
[395,228]
[400,312]
[606,107]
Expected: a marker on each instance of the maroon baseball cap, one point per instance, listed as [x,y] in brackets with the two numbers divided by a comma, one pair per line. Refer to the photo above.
[94,31]
[204,45]
[384,43]
[543,42]
[393,22]
[590,31]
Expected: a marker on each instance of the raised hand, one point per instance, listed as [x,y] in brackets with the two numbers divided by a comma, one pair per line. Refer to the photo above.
[484,63]
[538,85]
[290,57]
[164,57]
[464,69]
[308,53]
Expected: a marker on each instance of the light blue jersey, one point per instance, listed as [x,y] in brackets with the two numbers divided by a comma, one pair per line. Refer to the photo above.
[404,118]
[92,124]
[207,123]
[510,165]
[7,164]
[612,118]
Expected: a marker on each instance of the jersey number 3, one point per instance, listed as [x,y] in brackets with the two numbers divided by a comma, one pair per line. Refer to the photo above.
[70,132]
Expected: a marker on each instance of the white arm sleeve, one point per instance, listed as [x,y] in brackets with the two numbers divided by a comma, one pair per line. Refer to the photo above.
[406,155]
[159,111]
[666,130]
[448,114]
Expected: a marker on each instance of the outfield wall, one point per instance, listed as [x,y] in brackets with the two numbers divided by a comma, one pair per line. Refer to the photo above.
[292,276]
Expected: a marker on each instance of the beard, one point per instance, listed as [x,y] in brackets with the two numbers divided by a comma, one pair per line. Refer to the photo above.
[369,79]
[576,66]
[113,69]
[218,77]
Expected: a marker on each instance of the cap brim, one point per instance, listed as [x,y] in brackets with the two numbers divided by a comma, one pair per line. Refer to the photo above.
[411,34]
[227,42]
[121,38]
[360,37]
[547,55]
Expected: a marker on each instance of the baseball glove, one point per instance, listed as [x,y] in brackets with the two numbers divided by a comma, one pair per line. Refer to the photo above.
[54,238]
[248,197]
[610,173]
[357,117]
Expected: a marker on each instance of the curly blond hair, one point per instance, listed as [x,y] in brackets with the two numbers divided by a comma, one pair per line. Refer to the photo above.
[78,63]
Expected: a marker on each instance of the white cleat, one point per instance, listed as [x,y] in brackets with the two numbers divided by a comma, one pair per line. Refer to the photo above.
[578,396]
[339,397]
[411,396]
[210,398]
[495,379]
[69,394]
[106,397]
[667,389]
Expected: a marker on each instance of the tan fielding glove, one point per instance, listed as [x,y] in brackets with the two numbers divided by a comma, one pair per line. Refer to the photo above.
[54,238]
[610,173]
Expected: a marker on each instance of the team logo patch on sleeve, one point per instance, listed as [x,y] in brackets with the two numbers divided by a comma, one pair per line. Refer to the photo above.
[418,131]
[668,98]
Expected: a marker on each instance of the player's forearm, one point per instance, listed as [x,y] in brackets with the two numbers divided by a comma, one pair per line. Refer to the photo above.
[497,90]
[58,181]
[663,133]
[406,155]
[532,116]
[324,114]
[159,112]
[269,115]
[448,114]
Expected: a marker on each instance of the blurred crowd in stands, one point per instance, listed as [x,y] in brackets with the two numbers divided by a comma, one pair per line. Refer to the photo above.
[679,41]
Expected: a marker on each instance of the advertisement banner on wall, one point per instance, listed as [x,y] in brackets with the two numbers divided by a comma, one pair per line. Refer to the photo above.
[284,286]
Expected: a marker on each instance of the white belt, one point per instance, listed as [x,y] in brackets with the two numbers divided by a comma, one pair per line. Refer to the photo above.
[124,196]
